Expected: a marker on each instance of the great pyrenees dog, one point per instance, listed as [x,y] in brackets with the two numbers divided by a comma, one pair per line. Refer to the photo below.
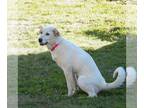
[79,68]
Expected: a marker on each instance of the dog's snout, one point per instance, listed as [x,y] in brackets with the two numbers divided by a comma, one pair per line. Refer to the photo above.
[40,39]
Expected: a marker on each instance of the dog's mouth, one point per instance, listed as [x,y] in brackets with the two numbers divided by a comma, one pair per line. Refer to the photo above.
[42,44]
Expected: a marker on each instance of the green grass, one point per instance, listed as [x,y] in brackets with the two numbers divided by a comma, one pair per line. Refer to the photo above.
[42,83]
[98,27]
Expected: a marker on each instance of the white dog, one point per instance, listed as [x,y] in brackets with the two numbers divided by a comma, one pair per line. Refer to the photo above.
[78,66]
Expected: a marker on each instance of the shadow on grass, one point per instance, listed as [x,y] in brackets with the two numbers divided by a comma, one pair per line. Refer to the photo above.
[114,34]
[41,82]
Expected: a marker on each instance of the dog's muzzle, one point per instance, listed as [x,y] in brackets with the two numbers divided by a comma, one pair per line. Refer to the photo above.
[40,41]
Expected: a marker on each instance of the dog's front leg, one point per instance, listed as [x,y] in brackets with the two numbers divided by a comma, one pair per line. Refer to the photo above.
[70,81]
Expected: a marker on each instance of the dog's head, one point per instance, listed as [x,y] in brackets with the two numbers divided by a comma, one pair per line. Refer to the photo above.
[48,34]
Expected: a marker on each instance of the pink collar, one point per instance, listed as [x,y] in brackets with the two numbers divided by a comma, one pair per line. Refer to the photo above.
[54,46]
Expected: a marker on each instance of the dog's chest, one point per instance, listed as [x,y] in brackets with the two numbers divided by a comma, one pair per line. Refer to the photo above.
[57,59]
[53,58]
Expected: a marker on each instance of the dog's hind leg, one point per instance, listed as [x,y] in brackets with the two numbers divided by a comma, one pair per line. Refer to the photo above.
[88,86]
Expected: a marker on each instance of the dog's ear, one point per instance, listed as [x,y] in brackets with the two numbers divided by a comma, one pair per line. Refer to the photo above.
[40,29]
[56,32]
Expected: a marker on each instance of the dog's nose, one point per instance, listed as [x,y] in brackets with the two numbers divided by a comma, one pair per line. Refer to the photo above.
[40,39]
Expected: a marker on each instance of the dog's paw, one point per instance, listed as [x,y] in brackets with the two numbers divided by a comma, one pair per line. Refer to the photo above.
[71,93]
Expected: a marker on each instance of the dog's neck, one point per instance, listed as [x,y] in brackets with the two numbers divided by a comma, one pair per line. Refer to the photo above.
[51,46]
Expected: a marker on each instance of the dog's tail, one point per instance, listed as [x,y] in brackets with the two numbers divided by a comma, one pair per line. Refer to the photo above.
[130,77]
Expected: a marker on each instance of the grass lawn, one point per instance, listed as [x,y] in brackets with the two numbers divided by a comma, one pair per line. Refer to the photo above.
[98,27]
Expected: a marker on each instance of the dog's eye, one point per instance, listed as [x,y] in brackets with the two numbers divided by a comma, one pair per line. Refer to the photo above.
[47,34]
[41,32]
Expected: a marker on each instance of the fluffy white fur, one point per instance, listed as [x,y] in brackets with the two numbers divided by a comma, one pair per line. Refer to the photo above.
[79,68]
